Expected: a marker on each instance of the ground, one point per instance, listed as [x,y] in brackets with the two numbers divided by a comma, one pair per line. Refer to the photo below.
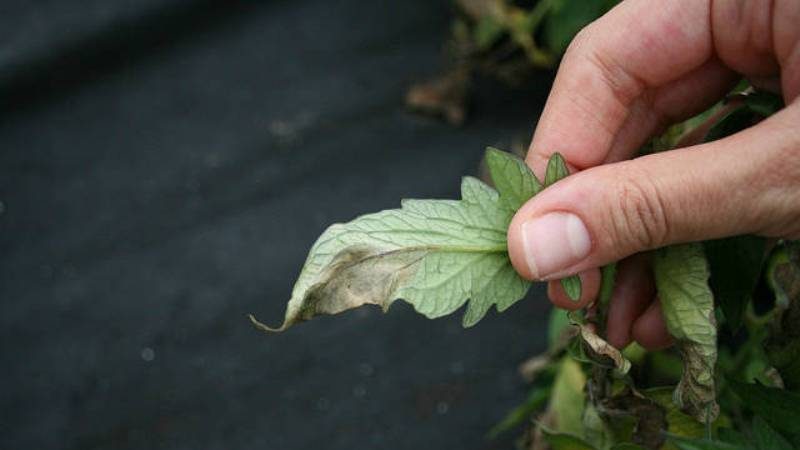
[165,167]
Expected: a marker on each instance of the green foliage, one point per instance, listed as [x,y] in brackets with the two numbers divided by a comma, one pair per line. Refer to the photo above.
[512,178]
[777,407]
[564,441]
[556,171]
[567,399]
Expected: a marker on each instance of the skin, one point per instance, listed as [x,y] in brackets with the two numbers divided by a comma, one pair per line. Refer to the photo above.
[625,78]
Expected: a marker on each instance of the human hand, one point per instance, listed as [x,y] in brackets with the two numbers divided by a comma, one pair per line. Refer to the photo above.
[624,78]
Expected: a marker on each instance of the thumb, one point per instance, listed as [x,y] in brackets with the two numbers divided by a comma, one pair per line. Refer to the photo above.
[746,183]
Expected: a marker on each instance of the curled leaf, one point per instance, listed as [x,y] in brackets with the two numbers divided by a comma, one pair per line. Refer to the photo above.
[601,352]
[435,254]
[681,274]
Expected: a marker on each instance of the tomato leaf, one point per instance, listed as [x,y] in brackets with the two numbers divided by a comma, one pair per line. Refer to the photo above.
[681,274]
[564,441]
[702,444]
[779,408]
[512,178]
[436,255]
[766,438]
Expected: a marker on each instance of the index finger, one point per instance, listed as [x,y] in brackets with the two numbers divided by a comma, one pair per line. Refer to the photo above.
[626,75]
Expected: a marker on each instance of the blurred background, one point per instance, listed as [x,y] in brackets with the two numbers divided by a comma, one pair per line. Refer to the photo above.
[165,166]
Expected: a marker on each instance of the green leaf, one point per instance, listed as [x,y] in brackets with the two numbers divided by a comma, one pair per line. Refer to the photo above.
[627,446]
[702,444]
[681,274]
[565,441]
[556,169]
[766,438]
[572,287]
[731,436]
[568,399]
[559,322]
[434,254]
[735,265]
[512,178]
[779,408]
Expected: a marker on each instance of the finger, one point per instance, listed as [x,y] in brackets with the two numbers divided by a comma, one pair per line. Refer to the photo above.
[637,69]
[607,94]
[707,191]
[590,286]
[650,330]
[634,290]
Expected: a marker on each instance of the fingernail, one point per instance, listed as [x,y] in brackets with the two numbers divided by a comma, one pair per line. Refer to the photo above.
[554,242]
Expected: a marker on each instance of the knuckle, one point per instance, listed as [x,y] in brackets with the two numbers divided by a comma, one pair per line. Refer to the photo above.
[640,217]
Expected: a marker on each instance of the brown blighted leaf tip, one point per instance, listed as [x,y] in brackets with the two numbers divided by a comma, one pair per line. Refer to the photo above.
[265,328]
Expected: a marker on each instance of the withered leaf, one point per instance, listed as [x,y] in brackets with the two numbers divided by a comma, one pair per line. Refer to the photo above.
[681,273]
[436,255]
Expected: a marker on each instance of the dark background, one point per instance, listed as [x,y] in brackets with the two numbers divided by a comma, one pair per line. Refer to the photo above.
[165,166]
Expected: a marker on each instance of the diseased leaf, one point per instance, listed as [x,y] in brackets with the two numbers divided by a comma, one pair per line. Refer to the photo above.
[595,429]
[735,265]
[678,423]
[681,274]
[635,418]
[512,178]
[601,352]
[436,255]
